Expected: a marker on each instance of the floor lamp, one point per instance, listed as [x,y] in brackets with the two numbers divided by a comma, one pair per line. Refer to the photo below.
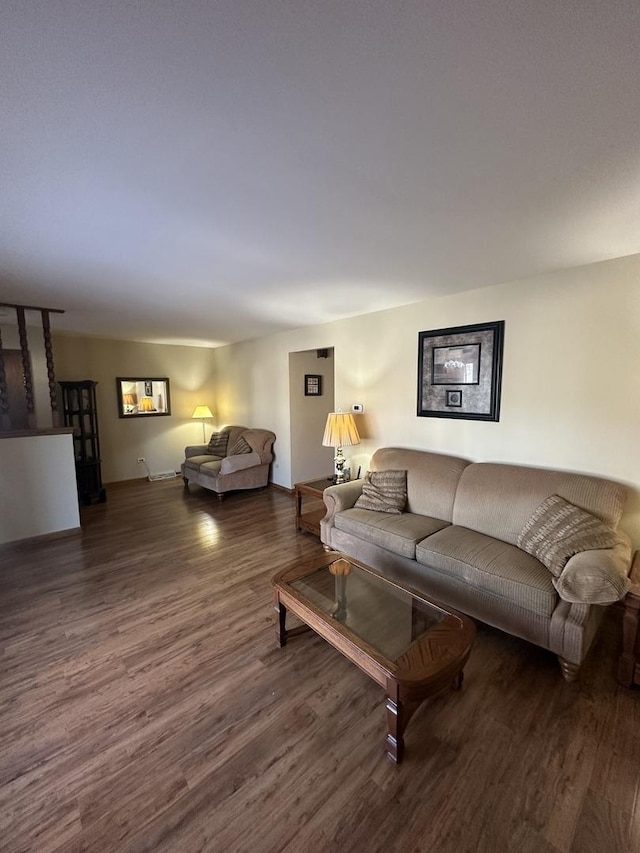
[203,413]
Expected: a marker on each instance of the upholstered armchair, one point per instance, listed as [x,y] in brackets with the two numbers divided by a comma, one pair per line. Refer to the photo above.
[235,458]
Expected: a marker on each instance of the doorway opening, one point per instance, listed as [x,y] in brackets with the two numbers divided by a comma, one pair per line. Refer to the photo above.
[311,398]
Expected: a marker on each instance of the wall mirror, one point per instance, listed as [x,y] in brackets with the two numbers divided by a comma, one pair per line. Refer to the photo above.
[142,398]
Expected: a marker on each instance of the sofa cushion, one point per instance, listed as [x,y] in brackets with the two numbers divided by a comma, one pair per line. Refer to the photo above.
[558,529]
[395,533]
[218,443]
[211,468]
[490,564]
[384,491]
[194,462]
[239,447]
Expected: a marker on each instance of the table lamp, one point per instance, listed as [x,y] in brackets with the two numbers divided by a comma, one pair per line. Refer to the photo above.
[202,412]
[129,402]
[340,431]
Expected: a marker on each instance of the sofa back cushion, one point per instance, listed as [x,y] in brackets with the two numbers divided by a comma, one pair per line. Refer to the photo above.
[498,500]
[432,478]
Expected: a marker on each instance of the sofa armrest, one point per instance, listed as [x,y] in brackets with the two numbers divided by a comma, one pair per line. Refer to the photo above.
[195,450]
[600,576]
[240,462]
[337,498]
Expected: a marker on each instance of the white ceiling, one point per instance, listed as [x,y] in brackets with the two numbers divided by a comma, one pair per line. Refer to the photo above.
[205,171]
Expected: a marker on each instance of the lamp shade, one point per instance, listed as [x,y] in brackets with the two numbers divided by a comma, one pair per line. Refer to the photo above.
[130,399]
[340,430]
[202,412]
[146,405]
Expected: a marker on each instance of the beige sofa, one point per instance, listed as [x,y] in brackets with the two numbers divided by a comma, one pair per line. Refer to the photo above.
[456,542]
[222,474]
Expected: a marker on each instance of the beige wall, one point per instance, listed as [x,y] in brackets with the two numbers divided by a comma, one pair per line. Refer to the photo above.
[161,440]
[570,391]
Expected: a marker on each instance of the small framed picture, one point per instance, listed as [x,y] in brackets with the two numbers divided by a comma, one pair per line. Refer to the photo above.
[452,398]
[312,385]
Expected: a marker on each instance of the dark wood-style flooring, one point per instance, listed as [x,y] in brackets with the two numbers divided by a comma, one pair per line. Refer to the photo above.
[144,706]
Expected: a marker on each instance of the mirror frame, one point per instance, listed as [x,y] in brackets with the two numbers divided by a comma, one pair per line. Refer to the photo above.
[132,390]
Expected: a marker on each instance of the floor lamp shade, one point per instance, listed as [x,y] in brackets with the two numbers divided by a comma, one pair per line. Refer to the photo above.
[202,413]
[340,431]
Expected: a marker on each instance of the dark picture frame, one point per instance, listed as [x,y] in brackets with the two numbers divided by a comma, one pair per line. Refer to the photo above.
[141,397]
[312,385]
[460,368]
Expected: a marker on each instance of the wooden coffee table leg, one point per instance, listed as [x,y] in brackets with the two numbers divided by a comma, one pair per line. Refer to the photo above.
[395,729]
[281,629]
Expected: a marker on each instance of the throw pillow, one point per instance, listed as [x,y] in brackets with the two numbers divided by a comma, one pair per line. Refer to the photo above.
[218,444]
[558,529]
[241,445]
[384,491]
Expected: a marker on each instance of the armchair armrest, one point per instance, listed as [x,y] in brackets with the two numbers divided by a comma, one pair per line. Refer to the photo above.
[599,576]
[240,462]
[195,450]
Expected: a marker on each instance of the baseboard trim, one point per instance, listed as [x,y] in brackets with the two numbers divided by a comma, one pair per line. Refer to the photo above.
[41,538]
[121,482]
[282,488]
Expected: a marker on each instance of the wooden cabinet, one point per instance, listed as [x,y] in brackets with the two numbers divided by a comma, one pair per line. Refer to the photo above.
[80,412]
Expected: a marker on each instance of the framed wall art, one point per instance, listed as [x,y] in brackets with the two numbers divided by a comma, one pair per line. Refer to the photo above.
[142,398]
[312,385]
[460,372]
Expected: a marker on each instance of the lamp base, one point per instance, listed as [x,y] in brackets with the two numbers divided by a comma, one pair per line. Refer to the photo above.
[339,462]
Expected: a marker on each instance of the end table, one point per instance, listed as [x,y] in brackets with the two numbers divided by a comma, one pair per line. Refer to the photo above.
[310,520]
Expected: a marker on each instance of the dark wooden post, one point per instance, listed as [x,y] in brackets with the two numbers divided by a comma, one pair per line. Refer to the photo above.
[27,372]
[51,376]
[5,420]
[26,367]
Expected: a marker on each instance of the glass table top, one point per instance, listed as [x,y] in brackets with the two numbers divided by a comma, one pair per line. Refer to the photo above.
[386,617]
[320,484]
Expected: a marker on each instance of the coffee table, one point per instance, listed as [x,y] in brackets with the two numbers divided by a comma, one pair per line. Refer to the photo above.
[409,645]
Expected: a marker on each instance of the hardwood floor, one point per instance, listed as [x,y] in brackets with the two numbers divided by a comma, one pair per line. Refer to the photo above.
[144,706]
